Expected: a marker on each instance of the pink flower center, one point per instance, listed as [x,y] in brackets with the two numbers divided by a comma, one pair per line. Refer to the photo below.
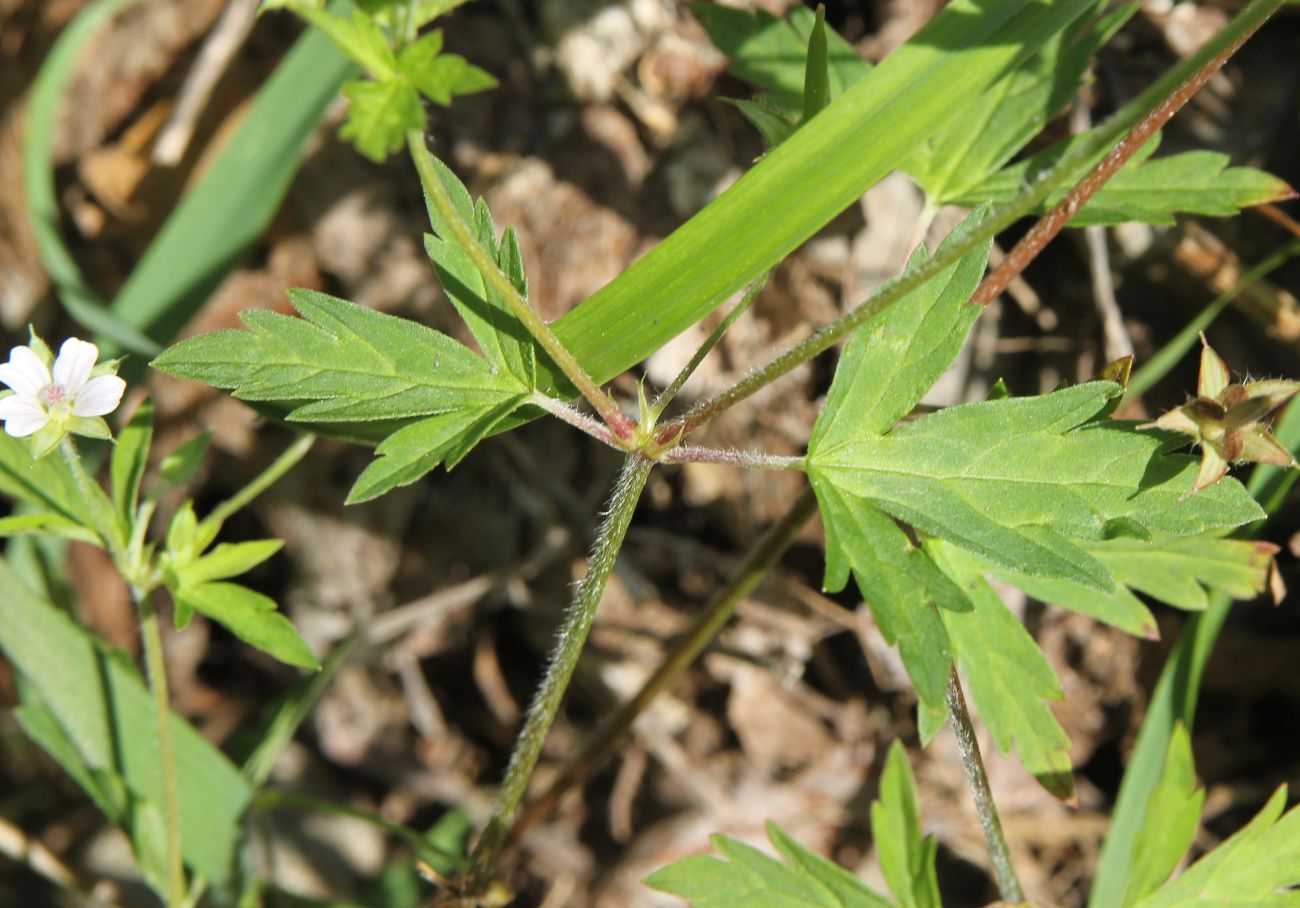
[52,395]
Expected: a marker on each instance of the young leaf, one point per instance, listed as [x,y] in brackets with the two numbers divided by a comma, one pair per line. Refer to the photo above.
[181,464]
[251,617]
[1007,677]
[750,879]
[501,337]
[906,857]
[46,485]
[380,114]
[901,585]
[46,522]
[439,76]
[126,467]
[817,76]
[341,362]
[1173,813]
[226,560]
[1259,866]
[359,37]
[1011,480]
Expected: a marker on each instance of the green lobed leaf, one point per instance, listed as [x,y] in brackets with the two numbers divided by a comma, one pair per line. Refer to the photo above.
[750,879]
[411,452]
[105,712]
[1151,190]
[127,464]
[1172,817]
[1007,677]
[900,584]
[1015,481]
[906,856]
[341,362]
[1178,571]
[1258,867]
[503,339]
[251,617]
[380,114]
[893,359]
[358,37]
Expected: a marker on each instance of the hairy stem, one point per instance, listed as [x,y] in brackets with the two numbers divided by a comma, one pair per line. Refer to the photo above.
[733,458]
[564,659]
[151,634]
[619,423]
[1067,169]
[263,481]
[575,418]
[999,852]
[597,749]
[101,510]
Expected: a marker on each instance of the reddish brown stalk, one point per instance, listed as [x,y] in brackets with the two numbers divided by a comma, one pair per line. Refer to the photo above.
[1280,217]
[1055,220]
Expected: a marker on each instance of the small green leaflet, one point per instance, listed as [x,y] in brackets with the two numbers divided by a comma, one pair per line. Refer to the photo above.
[127,464]
[345,363]
[748,878]
[384,107]
[1016,481]
[1146,189]
[501,337]
[1007,676]
[1173,814]
[1258,867]
[906,856]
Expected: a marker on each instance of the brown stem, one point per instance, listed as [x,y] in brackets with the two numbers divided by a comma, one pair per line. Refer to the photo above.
[1052,223]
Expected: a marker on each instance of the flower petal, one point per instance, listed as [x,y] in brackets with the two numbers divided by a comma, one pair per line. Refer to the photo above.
[72,367]
[24,372]
[22,415]
[100,396]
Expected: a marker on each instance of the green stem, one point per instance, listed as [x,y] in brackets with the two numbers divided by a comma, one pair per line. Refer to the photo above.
[751,293]
[1067,171]
[597,749]
[264,480]
[757,460]
[564,659]
[101,509]
[977,777]
[151,634]
[619,423]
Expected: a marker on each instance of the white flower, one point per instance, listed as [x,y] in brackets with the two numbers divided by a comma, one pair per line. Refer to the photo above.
[69,393]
